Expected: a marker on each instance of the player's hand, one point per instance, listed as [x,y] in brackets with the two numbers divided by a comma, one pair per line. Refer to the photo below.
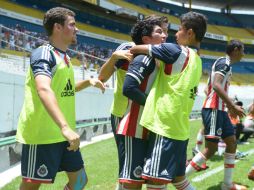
[123,54]
[98,84]
[72,137]
[236,111]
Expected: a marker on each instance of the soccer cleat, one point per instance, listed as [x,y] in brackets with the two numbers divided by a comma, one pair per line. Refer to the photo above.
[240,155]
[233,186]
[204,166]
[251,175]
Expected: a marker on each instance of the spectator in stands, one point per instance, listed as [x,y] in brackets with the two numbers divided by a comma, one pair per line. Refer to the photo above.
[215,118]
[47,120]
[19,36]
[170,101]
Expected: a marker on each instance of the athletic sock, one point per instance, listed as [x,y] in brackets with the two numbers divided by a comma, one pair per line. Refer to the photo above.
[183,185]
[195,164]
[199,142]
[229,164]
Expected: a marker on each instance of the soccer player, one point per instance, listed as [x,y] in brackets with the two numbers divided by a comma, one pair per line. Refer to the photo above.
[47,120]
[139,78]
[215,117]
[120,102]
[170,101]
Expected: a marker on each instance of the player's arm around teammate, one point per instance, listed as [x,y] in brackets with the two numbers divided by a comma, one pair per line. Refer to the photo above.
[108,68]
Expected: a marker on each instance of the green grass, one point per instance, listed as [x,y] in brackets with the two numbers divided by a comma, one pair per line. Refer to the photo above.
[102,167]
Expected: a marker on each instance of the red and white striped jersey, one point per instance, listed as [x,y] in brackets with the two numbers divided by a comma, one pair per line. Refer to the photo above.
[222,67]
[129,125]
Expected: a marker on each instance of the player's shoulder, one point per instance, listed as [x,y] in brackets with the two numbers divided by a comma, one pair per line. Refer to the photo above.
[42,52]
[222,62]
[125,46]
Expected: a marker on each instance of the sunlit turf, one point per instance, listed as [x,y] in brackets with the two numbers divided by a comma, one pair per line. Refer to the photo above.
[102,167]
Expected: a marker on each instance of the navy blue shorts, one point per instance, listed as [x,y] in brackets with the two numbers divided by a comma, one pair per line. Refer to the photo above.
[217,124]
[40,163]
[165,159]
[133,151]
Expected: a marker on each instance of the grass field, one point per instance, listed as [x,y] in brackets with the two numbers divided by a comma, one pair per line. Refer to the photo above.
[101,166]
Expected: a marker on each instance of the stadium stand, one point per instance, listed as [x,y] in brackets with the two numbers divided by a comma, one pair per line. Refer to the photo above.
[210,49]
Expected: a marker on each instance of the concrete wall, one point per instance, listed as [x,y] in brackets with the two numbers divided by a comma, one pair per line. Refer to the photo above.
[90,103]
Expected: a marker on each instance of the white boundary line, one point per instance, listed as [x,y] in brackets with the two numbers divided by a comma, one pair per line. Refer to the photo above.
[8,175]
[216,170]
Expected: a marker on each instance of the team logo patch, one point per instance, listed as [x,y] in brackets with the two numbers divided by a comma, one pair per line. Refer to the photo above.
[137,172]
[147,165]
[42,171]
[219,131]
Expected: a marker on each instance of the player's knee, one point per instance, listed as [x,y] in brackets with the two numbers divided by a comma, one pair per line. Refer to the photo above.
[156,186]
[130,186]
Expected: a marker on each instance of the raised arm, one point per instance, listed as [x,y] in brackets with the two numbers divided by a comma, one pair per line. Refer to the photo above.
[167,52]
[140,49]
[108,68]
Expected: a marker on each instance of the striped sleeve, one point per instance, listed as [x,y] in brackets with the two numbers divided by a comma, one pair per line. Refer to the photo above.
[166,52]
[221,67]
[140,67]
[42,62]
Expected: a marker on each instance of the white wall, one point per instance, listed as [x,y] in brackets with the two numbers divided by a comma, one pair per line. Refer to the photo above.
[90,103]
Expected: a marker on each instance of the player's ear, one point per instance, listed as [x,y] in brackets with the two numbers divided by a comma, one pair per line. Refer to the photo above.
[190,33]
[146,39]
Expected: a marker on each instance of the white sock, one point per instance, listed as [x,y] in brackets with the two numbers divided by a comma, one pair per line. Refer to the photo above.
[199,142]
[183,185]
[221,148]
[229,164]
[196,162]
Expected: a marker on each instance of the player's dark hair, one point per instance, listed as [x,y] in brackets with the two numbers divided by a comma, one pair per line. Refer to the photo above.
[232,45]
[55,15]
[195,21]
[145,27]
